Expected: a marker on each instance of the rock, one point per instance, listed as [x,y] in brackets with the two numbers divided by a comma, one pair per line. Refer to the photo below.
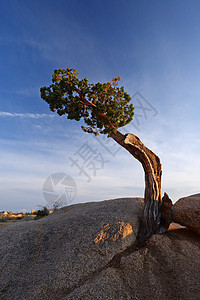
[74,254]
[186,211]
[168,268]
[52,256]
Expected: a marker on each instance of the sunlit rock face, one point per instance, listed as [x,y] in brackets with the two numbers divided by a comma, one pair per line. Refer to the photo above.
[52,256]
[186,211]
[114,232]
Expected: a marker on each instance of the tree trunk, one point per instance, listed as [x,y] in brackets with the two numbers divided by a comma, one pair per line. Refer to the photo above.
[156,213]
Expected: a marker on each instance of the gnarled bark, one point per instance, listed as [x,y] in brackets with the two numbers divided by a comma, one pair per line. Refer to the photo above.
[157,212]
[152,220]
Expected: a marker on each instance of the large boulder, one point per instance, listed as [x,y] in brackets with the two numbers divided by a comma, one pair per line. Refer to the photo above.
[186,211]
[52,256]
[87,252]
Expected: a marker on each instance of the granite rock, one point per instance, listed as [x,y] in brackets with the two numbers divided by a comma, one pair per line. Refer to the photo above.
[168,268]
[88,251]
[186,211]
[53,255]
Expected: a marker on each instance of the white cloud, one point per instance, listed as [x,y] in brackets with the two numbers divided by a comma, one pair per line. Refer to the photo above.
[25,115]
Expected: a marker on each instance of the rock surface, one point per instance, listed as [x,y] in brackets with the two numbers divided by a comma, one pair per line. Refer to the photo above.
[80,253]
[168,268]
[53,255]
[186,211]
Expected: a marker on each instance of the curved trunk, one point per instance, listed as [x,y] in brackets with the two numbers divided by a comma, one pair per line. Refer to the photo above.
[157,211]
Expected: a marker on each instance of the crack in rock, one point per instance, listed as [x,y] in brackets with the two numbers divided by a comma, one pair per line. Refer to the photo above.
[113,263]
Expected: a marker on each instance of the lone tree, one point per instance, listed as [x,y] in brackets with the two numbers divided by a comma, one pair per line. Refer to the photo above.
[105,107]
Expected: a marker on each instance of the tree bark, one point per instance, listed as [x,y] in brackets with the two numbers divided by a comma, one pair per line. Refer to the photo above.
[157,212]
[153,220]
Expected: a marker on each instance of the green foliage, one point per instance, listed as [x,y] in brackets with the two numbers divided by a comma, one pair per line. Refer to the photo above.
[38,218]
[4,220]
[103,106]
[42,213]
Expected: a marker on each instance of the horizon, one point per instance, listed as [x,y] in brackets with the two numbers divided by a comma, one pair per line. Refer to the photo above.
[154,48]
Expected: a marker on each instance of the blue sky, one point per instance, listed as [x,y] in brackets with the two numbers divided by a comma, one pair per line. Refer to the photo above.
[153,46]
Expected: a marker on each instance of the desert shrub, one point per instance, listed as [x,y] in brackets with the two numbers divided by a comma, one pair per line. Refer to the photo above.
[42,213]
[4,220]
